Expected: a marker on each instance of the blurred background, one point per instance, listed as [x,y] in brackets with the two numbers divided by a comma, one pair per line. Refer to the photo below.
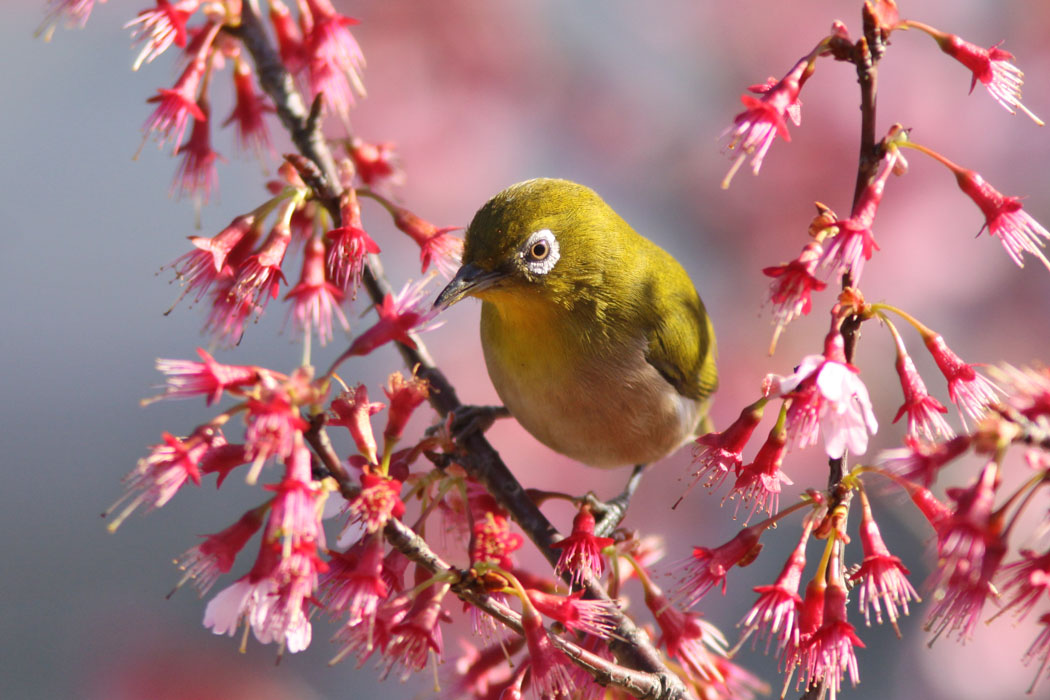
[627,97]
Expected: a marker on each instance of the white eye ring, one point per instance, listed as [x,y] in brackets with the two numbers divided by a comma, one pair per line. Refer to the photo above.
[540,252]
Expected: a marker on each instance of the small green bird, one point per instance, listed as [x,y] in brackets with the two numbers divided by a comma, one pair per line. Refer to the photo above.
[595,339]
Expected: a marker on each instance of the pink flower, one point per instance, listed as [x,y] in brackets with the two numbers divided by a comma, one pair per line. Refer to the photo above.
[707,568]
[992,67]
[418,634]
[793,284]
[75,13]
[170,465]
[597,617]
[196,175]
[222,459]
[687,638]
[1025,582]
[924,411]
[829,652]
[333,58]
[827,396]
[776,612]
[352,411]
[719,454]
[847,250]
[550,671]
[204,563]
[922,461]
[289,37]
[760,481]
[229,312]
[436,246]
[962,593]
[249,110]
[493,541]
[379,501]
[159,28]
[316,299]
[259,277]
[581,551]
[376,164]
[175,106]
[399,315]
[1027,389]
[211,259]
[1005,219]
[881,575]
[354,582]
[970,392]
[755,129]
[187,378]
[405,396]
[364,639]
[274,425]
[349,244]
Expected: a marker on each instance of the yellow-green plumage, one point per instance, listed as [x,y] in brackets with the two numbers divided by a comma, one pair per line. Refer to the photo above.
[608,356]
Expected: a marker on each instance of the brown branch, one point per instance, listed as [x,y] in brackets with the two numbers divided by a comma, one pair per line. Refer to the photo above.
[653,679]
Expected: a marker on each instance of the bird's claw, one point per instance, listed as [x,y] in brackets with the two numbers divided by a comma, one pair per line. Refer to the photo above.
[609,514]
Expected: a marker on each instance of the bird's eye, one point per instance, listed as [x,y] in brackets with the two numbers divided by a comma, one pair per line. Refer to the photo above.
[539,254]
[539,250]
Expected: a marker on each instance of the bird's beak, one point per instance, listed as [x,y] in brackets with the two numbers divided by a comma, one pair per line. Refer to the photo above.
[470,279]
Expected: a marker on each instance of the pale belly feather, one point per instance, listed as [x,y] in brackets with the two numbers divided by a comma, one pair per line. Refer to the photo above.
[606,410]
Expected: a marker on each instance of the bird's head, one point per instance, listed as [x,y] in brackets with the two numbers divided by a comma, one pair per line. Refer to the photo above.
[541,238]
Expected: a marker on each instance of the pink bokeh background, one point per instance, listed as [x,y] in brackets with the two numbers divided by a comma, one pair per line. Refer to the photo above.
[629,98]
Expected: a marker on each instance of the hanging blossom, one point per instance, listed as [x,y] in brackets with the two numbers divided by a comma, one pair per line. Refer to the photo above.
[273,598]
[399,315]
[581,551]
[333,59]
[175,106]
[188,378]
[968,390]
[717,455]
[793,284]
[881,576]
[775,614]
[348,246]
[196,175]
[316,300]
[73,13]
[827,396]
[755,129]
[853,242]
[213,259]
[991,66]
[924,412]
[249,110]
[1005,219]
[215,556]
[158,28]
[436,246]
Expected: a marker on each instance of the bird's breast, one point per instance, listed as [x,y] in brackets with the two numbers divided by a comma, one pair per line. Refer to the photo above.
[593,399]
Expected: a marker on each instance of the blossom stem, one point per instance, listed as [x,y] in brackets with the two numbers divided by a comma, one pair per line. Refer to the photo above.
[954,167]
[923,330]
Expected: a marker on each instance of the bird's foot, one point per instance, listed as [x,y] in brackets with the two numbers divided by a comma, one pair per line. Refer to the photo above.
[467,420]
[609,514]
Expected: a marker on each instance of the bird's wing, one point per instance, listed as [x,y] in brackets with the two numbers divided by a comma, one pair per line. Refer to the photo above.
[682,344]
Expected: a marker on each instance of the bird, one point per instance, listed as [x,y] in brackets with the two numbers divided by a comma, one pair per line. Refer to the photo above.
[594,337]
